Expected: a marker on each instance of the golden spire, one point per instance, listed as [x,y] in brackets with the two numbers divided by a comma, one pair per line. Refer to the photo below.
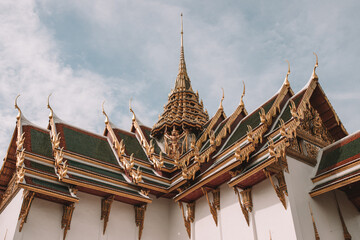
[103,111]
[242,96]
[49,107]
[182,79]
[17,107]
[287,75]
[222,98]
[314,76]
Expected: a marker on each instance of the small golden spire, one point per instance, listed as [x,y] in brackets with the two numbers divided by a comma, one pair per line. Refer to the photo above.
[103,111]
[182,80]
[131,110]
[222,98]
[287,75]
[49,107]
[314,76]
[242,96]
[182,31]
[17,107]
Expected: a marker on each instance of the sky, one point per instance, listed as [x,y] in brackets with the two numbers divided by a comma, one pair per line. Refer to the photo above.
[85,52]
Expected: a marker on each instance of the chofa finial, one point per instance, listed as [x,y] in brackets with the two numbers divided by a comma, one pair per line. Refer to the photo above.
[242,96]
[222,98]
[49,107]
[287,83]
[17,107]
[131,110]
[103,111]
[316,65]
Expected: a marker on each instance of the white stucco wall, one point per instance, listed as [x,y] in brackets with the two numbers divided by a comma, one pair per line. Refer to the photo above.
[270,215]
[44,220]
[9,217]
[324,206]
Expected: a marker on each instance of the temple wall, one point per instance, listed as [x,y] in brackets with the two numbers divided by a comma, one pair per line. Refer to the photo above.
[44,221]
[9,217]
[270,216]
[324,206]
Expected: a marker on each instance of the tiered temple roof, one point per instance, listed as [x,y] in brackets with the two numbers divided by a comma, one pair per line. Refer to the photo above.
[186,154]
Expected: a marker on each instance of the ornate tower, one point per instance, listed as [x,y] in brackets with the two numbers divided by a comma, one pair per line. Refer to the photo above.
[184,116]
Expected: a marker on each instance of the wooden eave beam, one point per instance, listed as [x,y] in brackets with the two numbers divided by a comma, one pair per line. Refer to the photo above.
[248,174]
[106,190]
[335,185]
[48,193]
[335,170]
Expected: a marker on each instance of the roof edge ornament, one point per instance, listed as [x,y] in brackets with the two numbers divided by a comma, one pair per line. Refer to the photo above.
[242,96]
[222,98]
[131,110]
[314,76]
[51,115]
[103,111]
[287,83]
[17,107]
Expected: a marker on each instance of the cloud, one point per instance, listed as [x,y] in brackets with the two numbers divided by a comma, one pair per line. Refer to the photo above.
[85,52]
[31,65]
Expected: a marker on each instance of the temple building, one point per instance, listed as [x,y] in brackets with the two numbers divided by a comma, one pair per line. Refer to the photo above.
[286,170]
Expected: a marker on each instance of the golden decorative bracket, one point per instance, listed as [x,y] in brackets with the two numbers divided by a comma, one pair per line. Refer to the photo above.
[66,218]
[139,217]
[317,237]
[28,197]
[280,189]
[215,205]
[189,217]
[105,210]
[245,202]
[347,235]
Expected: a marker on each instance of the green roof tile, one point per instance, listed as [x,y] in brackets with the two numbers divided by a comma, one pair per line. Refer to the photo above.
[104,172]
[42,168]
[286,115]
[118,188]
[339,154]
[253,120]
[40,143]
[87,145]
[132,145]
[52,186]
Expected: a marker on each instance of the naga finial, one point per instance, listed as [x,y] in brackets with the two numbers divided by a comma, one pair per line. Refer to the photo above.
[49,107]
[222,98]
[314,76]
[131,110]
[103,111]
[287,83]
[17,107]
[242,95]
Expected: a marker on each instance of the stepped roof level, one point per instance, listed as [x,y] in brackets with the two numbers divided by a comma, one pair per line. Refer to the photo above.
[183,110]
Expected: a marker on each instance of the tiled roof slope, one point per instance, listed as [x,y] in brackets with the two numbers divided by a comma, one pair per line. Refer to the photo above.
[339,153]
[86,144]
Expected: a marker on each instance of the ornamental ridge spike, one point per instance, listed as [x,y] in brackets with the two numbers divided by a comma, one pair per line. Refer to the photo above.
[103,111]
[49,107]
[314,76]
[242,95]
[287,83]
[131,110]
[222,98]
[17,107]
